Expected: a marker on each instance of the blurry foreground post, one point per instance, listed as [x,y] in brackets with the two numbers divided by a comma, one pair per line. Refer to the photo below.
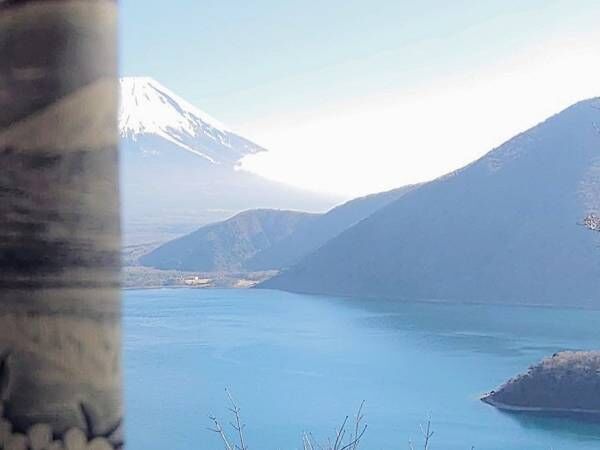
[59,226]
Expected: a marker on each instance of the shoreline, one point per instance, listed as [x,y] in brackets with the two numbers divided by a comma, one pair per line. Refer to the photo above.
[403,300]
[538,409]
[149,288]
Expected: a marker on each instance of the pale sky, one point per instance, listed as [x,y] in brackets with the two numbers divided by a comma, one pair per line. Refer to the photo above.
[354,97]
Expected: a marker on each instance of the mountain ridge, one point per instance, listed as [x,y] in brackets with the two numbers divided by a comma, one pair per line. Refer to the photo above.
[309,238]
[304,237]
[472,235]
[224,246]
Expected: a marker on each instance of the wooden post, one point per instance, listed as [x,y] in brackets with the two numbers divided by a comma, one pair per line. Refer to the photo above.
[60,368]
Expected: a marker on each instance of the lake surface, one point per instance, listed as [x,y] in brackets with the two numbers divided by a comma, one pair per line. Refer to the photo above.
[301,363]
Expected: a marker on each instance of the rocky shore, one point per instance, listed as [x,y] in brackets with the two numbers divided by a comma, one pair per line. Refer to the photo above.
[567,382]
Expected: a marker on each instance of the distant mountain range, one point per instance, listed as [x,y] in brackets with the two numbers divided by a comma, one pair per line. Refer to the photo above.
[180,167]
[506,228]
[262,239]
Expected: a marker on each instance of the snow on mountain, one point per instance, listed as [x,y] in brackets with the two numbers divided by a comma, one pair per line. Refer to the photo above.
[179,167]
[151,114]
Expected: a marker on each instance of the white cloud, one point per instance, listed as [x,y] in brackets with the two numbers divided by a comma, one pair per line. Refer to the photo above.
[390,139]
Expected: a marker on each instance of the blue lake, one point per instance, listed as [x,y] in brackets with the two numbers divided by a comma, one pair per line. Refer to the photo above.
[302,363]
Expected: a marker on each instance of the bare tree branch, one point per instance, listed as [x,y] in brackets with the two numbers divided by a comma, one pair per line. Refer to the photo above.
[427,434]
[357,425]
[219,430]
[308,441]
[238,426]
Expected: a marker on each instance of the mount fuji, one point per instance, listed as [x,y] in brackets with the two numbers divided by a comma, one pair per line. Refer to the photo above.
[150,112]
[180,167]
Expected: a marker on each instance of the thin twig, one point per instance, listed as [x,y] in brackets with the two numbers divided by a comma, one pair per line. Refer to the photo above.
[340,435]
[354,443]
[219,430]
[359,418]
[307,442]
[238,426]
[427,434]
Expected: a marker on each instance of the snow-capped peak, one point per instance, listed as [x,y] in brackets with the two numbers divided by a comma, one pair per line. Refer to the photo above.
[149,108]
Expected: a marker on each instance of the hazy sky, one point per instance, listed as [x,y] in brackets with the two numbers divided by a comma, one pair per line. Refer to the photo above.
[353,97]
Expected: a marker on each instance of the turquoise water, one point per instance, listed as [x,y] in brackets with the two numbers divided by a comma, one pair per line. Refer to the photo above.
[301,363]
